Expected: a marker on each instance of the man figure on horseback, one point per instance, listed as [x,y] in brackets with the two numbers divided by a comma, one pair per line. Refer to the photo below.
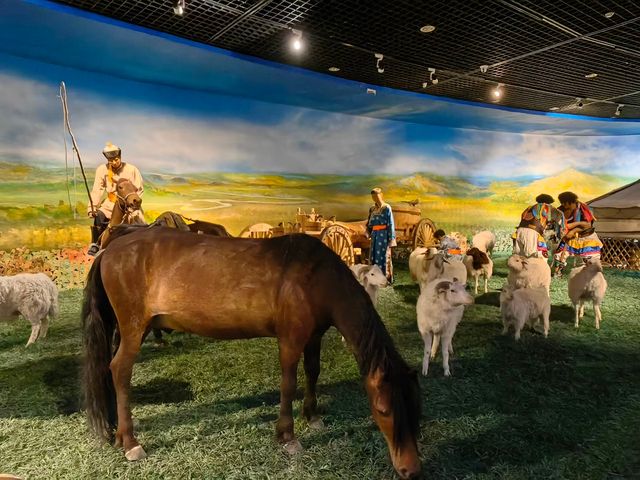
[107,176]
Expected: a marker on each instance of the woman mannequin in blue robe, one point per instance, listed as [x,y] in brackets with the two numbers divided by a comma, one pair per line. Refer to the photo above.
[382,232]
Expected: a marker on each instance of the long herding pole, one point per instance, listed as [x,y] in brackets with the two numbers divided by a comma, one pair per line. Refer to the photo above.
[65,112]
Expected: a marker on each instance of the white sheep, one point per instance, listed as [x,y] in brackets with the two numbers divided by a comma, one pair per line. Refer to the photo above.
[478,263]
[524,306]
[528,272]
[427,264]
[371,278]
[32,295]
[484,241]
[587,283]
[439,309]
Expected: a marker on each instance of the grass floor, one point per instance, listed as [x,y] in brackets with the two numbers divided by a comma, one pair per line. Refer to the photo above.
[564,407]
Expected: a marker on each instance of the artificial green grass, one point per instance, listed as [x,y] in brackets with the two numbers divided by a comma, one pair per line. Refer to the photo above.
[564,407]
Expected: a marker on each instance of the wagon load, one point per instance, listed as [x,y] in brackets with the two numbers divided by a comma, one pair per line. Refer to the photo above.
[349,239]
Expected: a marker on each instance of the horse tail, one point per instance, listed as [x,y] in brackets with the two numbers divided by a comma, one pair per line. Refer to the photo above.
[98,324]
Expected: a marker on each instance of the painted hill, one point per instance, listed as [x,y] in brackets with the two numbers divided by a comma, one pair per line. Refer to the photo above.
[585,185]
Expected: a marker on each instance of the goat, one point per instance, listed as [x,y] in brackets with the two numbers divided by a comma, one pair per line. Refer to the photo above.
[524,306]
[587,283]
[439,309]
[32,295]
[478,263]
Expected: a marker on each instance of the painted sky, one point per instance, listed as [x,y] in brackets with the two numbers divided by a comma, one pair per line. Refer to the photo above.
[164,128]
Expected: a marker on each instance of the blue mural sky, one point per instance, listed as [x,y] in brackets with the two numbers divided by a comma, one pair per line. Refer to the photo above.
[189,116]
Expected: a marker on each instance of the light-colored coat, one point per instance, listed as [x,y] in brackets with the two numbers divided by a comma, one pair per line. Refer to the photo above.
[102,184]
[484,241]
[427,264]
[528,272]
[524,306]
[371,278]
[32,295]
[587,283]
[439,309]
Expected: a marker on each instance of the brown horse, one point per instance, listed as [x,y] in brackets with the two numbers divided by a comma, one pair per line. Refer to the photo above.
[126,209]
[291,287]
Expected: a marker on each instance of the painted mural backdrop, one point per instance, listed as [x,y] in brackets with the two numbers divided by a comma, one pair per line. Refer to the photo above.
[237,161]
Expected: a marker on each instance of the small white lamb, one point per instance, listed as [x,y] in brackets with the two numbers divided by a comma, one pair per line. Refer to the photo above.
[528,272]
[439,309]
[478,263]
[524,306]
[32,295]
[371,278]
[587,283]
[484,241]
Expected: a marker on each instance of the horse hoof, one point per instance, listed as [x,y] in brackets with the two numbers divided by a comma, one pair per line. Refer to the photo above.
[316,424]
[135,454]
[292,447]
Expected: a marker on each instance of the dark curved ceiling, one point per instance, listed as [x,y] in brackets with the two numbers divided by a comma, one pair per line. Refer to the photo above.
[540,50]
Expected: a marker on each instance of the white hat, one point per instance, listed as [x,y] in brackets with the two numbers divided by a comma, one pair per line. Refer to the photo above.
[110,147]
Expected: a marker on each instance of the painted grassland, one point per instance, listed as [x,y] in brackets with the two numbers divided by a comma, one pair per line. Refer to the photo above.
[36,207]
[565,407]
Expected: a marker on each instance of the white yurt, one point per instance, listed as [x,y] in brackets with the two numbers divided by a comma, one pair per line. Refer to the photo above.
[618,225]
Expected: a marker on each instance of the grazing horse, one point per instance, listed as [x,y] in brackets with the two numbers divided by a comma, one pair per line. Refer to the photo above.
[126,209]
[291,287]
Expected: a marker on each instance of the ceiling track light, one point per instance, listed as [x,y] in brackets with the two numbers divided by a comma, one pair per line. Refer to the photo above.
[179,6]
[296,40]
[432,80]
[497,92]
[579,103]
[618,109]
[379,58]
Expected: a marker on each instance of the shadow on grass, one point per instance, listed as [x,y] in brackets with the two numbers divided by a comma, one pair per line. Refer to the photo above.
[60,378]
[562,314]
[491,298]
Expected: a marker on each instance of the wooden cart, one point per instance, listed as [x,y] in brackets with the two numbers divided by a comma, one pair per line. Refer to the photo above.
[349,239]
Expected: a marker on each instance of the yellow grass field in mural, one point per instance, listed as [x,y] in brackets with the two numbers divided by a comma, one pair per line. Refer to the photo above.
[35,210]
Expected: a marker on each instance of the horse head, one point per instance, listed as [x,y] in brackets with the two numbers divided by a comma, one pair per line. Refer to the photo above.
[395,406]
[128,198]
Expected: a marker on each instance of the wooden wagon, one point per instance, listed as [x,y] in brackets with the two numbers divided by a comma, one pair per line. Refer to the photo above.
[349,239]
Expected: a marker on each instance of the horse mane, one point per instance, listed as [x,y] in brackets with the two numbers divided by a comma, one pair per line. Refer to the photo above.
[376,350]
[374,347]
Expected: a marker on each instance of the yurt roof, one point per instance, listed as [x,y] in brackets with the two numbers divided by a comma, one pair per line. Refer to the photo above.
[627,196]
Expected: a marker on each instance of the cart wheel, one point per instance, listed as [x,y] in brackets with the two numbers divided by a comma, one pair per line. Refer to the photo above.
[423,234]
[257,230]
[338,239]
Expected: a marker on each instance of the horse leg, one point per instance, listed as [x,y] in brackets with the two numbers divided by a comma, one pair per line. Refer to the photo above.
[289,358]
[121,369]
[312,370]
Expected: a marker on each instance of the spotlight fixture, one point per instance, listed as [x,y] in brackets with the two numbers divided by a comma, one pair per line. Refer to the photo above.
[334,69]
[609,14]
[427,29]
[178,7]
[618,109]
[432,72]
[379,58]
[591,75]
[296,40]
[553,109]
[497,92]
[579,103]
[484,68]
